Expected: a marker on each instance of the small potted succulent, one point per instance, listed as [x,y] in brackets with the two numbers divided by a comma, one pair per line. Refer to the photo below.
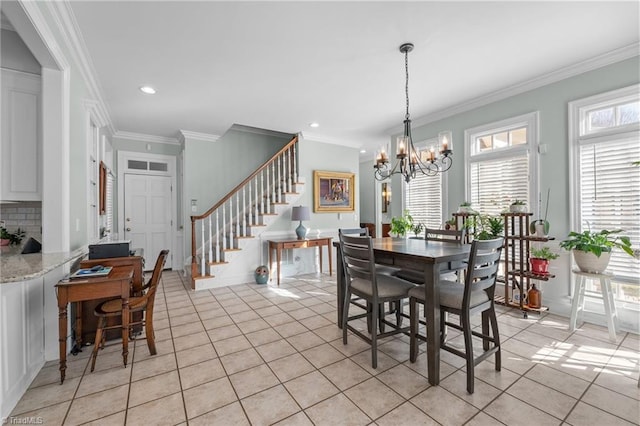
[540,258]
[592,250]
[10,238]
[518,206]
[450,224]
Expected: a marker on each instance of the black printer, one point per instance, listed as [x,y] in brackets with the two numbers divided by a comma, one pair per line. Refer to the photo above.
[110,249]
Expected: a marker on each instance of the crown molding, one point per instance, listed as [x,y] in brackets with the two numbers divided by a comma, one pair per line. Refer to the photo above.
[310,136]
[141,137]
[259,131]
[72,38]
[187,134]
[591,64]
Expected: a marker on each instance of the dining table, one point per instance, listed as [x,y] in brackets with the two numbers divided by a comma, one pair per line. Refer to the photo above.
[420,255]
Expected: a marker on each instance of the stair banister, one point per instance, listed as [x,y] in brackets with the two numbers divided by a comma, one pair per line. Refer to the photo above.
[290,145]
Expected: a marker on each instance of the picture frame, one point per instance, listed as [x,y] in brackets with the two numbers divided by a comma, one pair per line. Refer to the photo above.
[333,192]
[102,186]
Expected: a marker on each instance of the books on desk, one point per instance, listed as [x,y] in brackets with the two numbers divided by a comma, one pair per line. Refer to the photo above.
[96,271]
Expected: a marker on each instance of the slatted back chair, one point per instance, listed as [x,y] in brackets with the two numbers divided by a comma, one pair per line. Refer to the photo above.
[362,280]
[444,236]
[144,303]
[475,297]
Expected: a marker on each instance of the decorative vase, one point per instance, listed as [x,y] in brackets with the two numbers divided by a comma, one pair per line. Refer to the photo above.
[261,274]
[589,262]
[539,266]
[534,297]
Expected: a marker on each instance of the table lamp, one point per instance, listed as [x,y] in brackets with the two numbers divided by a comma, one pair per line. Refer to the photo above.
[301,213]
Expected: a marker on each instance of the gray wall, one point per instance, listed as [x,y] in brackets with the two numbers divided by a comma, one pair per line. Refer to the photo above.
[315,155]
[15,55]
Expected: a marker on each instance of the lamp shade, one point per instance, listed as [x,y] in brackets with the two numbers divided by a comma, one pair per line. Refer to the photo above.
[300,213]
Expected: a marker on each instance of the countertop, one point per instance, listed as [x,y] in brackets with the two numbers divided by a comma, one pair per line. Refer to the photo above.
[18,267]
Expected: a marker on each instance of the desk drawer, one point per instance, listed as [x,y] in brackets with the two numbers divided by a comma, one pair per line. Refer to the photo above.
[316,243]
[295,244]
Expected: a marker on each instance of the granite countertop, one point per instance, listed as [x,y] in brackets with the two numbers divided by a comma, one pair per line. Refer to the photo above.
[18,267]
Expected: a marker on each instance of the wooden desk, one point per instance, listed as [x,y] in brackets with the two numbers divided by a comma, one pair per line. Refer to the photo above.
[419,255]
[86,321]
[279,245]
[116,284]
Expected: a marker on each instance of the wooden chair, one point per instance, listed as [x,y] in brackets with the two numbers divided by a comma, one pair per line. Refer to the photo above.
[144,303]
[441,235]
[476,296]
[363,281]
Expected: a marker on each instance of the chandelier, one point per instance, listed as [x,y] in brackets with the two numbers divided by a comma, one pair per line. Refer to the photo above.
[410,160]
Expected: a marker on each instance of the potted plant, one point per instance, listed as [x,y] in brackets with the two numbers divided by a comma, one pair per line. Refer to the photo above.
[488,227]
[402,224]
[592,250]
[417,228]
[450,224]
[10,238]
[518,206]
[540,258]
[465,207]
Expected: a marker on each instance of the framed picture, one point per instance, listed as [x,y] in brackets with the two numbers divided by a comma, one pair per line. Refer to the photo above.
[333,192]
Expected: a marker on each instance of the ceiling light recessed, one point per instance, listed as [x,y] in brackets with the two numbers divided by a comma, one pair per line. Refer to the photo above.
[314,125]
[363,151]
[148,90]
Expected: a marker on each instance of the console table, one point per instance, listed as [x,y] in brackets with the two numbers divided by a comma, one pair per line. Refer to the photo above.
[279,245]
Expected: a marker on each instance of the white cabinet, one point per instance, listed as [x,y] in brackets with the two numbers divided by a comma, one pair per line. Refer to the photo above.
[21,338]
[20,146]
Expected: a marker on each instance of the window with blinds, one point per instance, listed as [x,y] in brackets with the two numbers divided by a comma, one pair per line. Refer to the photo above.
[496,183]
[423,199]
[607,188]
[502,164]
[108,224]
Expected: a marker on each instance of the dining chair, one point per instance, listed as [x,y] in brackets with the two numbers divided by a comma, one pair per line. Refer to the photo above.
[441,235]
[380,269]
[475,297]
[144,303]
[363,281]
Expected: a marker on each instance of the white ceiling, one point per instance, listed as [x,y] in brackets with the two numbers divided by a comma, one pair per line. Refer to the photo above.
[283,65]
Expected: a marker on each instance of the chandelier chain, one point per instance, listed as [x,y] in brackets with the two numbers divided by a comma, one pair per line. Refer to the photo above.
[406,84]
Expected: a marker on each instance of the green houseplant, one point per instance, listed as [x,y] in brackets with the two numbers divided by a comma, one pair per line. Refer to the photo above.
[539,259]
[488,227]
[400,225]
[592,250]
[465,207]
[10,238]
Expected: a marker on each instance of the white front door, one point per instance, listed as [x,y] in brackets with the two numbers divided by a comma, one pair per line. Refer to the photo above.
[147,215]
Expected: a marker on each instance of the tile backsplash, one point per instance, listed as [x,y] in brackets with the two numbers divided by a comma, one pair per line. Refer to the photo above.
[26,215]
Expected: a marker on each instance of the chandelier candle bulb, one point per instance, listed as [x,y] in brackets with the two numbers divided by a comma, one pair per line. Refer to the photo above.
[445,142]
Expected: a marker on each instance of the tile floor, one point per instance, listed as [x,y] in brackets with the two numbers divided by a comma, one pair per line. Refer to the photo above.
[259,355]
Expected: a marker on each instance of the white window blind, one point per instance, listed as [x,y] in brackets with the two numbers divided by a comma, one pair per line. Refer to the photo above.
[496,183]
[609,196]
[424,200]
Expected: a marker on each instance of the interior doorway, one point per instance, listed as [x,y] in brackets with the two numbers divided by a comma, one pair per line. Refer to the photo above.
[147,203]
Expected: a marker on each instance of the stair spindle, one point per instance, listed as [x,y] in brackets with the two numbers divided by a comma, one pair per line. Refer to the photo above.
[224,226]
[209,244]
[287,170]
[295,164]
[202,270]
[230,223]
[238,215]
[268,191]
[279,189]
[217,235]
[274,196]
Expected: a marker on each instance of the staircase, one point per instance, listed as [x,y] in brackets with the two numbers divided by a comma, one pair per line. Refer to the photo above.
[223,237]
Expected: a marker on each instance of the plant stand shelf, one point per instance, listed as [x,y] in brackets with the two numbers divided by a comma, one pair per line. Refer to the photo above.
[517,273]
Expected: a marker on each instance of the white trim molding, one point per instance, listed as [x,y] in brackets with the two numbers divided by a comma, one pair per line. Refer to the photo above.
[187,134]
[132,136]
